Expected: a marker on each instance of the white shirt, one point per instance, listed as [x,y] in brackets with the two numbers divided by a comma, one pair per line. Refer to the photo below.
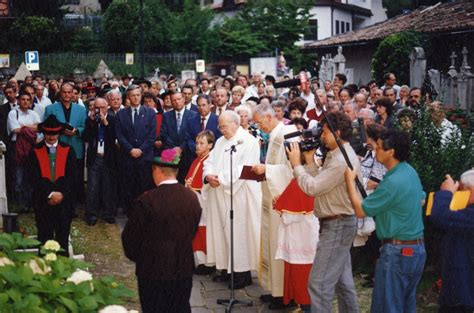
[17,119]
[168,182]
[41,105]
[206,119]
[310,99]
[133,112]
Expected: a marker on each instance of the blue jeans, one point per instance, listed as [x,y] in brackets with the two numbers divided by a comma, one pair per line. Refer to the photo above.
[332,270]
[396,278]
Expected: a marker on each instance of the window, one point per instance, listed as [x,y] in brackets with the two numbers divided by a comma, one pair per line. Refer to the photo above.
[348,27]
[337,27]
[342,27]
[313,30]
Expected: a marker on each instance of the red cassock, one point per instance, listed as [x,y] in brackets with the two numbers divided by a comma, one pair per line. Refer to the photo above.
[294,201]
[195,172]
[312,115]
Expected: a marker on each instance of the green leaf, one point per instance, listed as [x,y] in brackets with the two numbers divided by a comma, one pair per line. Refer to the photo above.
[70,304]
[88,303]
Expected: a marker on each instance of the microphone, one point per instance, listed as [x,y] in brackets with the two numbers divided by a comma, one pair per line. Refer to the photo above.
[232,148]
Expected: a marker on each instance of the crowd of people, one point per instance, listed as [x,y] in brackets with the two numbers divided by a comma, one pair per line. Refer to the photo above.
[159,151]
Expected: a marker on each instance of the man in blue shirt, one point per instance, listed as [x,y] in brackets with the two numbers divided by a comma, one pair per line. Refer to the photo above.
[397,206]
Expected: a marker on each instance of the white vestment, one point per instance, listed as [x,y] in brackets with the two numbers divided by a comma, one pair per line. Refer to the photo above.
[247,200]
[278,174]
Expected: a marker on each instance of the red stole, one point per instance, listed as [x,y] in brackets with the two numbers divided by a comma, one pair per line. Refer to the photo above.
[294,200]
[60,166]
[195,172]
[159,120]
[312,115]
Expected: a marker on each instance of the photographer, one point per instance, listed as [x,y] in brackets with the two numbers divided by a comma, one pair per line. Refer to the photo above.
[332,269]
[101,162]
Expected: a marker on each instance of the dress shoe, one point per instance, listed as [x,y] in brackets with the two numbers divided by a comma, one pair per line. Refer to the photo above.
[223,277]
[203,270]
[266,298]
[277,304]
[110,220]
[91,221]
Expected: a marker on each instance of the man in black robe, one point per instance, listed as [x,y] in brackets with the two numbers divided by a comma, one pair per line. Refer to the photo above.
[158,238]
[51,171]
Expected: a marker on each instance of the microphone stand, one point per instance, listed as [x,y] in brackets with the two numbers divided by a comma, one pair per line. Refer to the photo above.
[339,144]
[229,303]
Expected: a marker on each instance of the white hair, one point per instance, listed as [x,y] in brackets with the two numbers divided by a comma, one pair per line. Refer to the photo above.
[113,92]
[467,178]
[369,112]
[231,115]
[264,109]
[244,108]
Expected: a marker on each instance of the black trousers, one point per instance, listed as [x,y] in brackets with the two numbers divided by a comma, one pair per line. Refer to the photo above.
[54,223]
[161,296]
[137,179]
[100,190]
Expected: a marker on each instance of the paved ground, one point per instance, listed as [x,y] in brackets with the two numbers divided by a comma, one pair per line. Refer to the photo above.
[205,293]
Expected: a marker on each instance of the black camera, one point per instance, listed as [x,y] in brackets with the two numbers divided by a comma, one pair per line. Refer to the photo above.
[311,138]
[97,115]
[359,137]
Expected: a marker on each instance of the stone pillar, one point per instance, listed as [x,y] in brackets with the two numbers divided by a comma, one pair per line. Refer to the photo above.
[435,78]
[417,67]
[465,83]
[452,83]
[323,71]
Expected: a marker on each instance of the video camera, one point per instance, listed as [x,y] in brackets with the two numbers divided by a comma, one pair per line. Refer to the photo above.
[311,138]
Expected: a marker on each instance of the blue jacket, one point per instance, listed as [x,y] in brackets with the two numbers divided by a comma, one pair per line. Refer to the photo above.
[77,120]
[195,128]
[457,250]
[140,134]
[169,129]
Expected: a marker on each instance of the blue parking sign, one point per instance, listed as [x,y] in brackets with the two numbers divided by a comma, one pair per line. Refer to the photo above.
[32,60]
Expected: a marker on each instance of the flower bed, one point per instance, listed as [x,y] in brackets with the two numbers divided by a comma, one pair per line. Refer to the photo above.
[52,283]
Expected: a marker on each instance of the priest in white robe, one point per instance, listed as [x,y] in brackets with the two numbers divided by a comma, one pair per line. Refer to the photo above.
[278,174]
[247,200]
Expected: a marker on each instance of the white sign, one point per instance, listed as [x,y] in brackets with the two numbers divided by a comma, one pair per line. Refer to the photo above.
[264,66]
[4,60]
[32,60]
[200,66]
[129,58]
[190,74]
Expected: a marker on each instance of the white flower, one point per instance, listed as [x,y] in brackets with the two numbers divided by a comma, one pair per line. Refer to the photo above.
[50,257]
[39,267]
[52,245]
[114,309]
[133,311]
[5,261]
[79,276]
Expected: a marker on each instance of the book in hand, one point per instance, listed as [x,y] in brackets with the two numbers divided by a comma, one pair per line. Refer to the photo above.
[249,175]
[459,201]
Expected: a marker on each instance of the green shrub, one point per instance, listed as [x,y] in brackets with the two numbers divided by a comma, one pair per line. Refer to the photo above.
[51,283]
[392,55]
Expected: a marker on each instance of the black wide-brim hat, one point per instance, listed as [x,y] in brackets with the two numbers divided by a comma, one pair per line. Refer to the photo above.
[51,126]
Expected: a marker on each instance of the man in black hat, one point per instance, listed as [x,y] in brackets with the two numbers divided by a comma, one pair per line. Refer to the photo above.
[51,169]
[158,238]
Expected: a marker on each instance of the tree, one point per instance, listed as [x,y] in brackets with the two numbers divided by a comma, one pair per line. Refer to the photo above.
[84,39]
[189,28]
[278,23]
[46,8]
[120,26]
[104,4]
[33,33]
[392,55]
[235,39]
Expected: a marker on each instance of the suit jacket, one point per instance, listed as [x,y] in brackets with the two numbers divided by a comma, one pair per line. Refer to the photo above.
[77,120]
[194,108]
[4,110]
[214,108]
[195,128]
[91,135]
[169,130]
[140,134]
[159,233]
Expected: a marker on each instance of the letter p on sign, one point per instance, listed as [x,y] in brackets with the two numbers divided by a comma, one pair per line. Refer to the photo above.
[32,60]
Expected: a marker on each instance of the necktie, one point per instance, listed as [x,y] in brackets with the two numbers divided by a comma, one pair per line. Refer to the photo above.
[178,121]
[135,116]
[203,119]
[220,111]
[52,150]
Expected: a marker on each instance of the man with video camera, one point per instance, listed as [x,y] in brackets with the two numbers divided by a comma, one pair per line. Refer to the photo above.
[332,269]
